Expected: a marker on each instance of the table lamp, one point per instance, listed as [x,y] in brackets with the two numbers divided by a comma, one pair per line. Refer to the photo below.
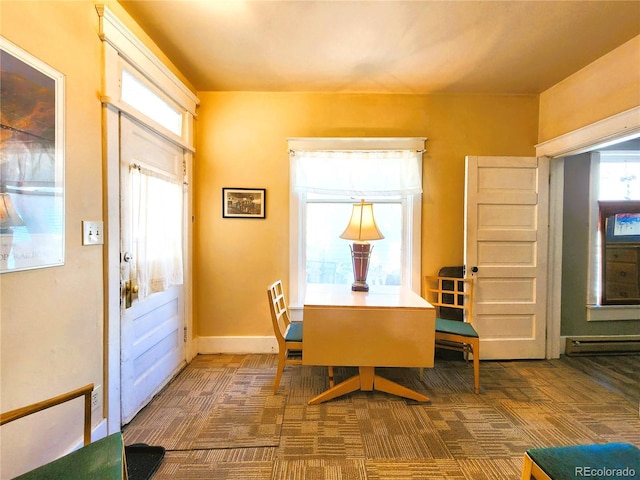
[8,216]
[361,228]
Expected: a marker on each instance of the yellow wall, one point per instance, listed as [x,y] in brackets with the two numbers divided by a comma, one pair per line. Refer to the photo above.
[242,143]
[608,86]
[52,320]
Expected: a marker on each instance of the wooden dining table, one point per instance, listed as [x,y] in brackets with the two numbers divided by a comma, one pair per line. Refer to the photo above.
[387,326]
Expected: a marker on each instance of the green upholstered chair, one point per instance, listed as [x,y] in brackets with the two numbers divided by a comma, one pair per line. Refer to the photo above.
[288,333]
[103,459]
[457,294]
[597,462]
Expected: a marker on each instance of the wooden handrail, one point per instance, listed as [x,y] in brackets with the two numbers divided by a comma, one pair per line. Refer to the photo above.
[51,402]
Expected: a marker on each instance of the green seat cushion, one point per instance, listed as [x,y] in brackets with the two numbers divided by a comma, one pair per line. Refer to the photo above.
[101,459]
[294,332]
[596,462]
[457,328]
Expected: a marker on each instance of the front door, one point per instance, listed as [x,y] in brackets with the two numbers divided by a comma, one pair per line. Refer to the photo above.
[152,309]
[506,229]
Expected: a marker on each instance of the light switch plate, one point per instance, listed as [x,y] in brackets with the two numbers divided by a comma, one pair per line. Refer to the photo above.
[92,233]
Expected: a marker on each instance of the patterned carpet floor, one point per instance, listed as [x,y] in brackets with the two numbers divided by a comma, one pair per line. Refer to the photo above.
[219,419]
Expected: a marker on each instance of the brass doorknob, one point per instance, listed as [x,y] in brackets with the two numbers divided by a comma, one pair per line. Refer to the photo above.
[129,291]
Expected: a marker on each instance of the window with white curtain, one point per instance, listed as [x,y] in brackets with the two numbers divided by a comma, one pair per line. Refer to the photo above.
[156,221]
[326,182]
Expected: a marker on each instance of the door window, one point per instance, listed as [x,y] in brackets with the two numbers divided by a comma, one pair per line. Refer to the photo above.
[156,230]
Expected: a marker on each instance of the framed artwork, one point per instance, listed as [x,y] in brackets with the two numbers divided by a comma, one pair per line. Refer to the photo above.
[619,221]
[627,225]
[32,217]
[244,202]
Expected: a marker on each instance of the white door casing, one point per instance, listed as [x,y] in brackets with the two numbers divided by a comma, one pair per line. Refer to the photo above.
[122,49]
[506,235]
[152,329]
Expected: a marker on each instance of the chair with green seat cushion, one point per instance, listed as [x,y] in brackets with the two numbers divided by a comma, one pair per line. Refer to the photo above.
[103,459]
[456,328]
[455,293]
[606,461]
[288,333]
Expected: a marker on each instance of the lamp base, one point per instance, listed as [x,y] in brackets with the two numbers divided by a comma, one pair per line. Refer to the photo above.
[359,287]
[360,255]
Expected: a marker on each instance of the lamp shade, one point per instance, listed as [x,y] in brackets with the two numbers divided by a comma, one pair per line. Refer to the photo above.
[8,215]
[362,226]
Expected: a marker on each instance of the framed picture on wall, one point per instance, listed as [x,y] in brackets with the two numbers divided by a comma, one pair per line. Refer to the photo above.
[32,219]
[244,202]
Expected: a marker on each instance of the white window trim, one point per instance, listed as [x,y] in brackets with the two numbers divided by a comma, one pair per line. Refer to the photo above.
[411,255]
[593,275]
[127,51]
[595,311]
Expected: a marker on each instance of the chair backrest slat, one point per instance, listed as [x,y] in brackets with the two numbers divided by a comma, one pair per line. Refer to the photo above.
[451,293]
[278,307]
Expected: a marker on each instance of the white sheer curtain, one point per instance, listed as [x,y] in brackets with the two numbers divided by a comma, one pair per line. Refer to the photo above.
[156,230]
[358,172]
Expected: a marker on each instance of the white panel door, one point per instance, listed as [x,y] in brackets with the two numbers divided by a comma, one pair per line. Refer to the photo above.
[152,329]
[506,230]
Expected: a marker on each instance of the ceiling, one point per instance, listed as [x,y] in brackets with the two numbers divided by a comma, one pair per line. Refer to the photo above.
[393,46]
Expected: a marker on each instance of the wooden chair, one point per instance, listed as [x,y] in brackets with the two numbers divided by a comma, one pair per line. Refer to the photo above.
[51,402]
[288,333]
[457,294]
[104,458]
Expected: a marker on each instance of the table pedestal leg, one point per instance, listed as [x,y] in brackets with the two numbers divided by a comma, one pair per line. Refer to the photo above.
[367,380]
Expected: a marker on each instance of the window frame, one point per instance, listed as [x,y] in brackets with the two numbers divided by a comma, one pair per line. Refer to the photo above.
[596,311]
[411,217]
[151,117]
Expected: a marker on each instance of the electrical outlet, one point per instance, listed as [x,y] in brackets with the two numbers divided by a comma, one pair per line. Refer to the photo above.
[96,398]
[92,233]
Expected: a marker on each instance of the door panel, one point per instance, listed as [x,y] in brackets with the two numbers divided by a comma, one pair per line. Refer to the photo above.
[505,253]
[506,238]
[152,329]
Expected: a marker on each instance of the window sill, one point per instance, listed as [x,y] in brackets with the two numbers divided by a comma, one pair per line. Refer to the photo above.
[603,313]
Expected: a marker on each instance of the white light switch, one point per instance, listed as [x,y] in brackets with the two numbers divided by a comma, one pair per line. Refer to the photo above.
[92,233]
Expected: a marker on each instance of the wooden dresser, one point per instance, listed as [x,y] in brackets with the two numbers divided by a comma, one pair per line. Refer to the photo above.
[622,274]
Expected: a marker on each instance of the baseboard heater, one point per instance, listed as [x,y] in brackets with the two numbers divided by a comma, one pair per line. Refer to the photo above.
[604,345]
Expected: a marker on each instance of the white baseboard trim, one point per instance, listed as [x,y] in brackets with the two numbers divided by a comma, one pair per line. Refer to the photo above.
[98,432]
[239,345]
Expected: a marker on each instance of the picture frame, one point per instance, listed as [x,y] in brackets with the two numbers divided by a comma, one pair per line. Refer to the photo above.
[32,191]
[626,225]
[244,202]
[619,221]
